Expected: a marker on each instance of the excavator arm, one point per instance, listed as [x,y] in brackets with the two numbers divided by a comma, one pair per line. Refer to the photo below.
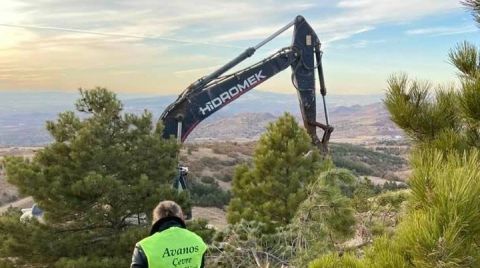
[210,93]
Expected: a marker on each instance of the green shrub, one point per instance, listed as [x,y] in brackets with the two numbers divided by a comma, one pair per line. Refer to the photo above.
[393,185]
[326,217]
[85,262]
[357,167]
[363,192]
[392,199]
[225,176]
[377,228]
[441,228]
[333,261]
[208,195]
[201,228]
[207,180]
[385,253]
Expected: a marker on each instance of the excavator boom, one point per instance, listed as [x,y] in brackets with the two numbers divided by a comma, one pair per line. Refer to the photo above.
[214,91]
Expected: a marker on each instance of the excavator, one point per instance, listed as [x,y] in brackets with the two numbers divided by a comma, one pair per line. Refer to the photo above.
[212,92]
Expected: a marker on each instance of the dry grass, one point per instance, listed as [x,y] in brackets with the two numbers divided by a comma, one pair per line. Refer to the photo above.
[214,216]
[216,159]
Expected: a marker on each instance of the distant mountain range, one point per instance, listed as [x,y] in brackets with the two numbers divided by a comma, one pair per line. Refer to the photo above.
[23,115]
[353,124]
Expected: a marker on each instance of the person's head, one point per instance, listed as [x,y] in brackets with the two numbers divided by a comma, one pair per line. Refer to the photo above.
[165,209]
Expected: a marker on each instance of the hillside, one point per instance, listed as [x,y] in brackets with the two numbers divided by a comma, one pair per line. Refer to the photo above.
[225,139]
[217,160]
[357,124]
[212,165]
[367,162]
[357,118]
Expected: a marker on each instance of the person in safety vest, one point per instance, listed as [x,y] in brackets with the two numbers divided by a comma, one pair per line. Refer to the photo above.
[170,244]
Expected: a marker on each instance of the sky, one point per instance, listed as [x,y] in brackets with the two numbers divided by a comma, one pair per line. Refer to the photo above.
[160,47]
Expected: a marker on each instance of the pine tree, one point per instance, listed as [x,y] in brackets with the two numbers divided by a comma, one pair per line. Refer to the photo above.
[441,226]
[284,163]
[474,6]
[105,170]
[326,218]
[449,120]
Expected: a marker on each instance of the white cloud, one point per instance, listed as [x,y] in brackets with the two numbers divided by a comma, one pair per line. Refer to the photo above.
[395,10]
[206,20]
[354,17]
[197,71]
[255,33]
[440,31]
[337,36]
[367,13]
[84,39]
[360,43]
[355,3]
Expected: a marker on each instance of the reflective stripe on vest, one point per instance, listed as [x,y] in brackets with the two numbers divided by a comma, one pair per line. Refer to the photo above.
[174,248]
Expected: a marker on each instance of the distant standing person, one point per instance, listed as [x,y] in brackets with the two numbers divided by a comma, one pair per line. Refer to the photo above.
[170,244]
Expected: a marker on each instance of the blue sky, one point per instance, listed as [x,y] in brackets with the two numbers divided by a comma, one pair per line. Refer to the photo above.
[127,45]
